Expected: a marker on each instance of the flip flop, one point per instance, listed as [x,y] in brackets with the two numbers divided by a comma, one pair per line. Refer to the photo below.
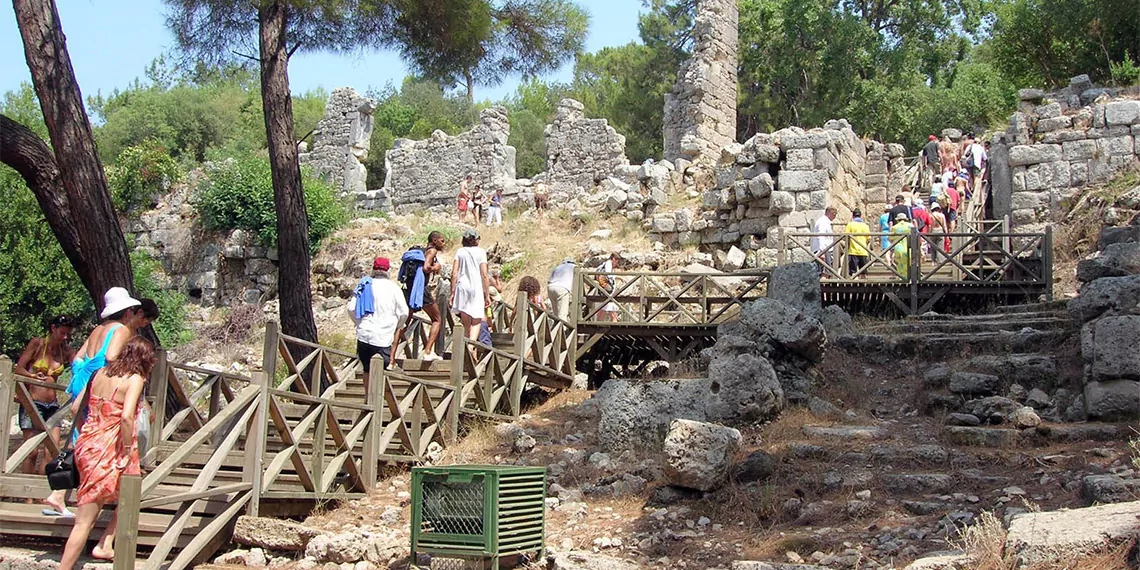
[54,513]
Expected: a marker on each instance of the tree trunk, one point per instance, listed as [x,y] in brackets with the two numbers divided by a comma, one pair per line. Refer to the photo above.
[470,80]
[288,195]
[98,240]
[30,156]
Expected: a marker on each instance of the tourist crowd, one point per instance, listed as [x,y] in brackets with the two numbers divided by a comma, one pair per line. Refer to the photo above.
[950,175]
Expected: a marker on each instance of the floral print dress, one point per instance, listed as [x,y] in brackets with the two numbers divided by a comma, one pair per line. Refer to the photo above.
[97,452]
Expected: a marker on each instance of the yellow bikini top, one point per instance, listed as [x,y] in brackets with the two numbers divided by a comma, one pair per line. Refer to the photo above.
[43,363]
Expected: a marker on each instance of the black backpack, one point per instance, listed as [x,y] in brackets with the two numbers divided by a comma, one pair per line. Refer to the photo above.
[406,277]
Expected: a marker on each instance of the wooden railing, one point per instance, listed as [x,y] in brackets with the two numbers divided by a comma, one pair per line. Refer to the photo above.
[989,257]
[681,299]
[18,390]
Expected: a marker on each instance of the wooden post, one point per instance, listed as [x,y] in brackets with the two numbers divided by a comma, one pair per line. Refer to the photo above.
[159,385]
[253,468]
[127,533]
[374,398]
[1047,262]
[522,318]
[7,383]
[575,312]
[458,358]
[269,353]
[915,246]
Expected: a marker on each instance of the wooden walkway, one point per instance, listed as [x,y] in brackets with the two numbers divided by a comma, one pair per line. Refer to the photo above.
[300,431]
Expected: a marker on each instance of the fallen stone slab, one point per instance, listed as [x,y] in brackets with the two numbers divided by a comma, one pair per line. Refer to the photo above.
[272,534]
[1069,433]
[1037,538]
[753,565]
[942,561]
[845,432]
[578,560]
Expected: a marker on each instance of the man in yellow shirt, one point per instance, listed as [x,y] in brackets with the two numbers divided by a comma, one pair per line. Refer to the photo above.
[857,244]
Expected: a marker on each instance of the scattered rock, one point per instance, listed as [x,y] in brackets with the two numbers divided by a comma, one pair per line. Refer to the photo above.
[338,548]
[698,455]
[756,467]
[254,557]
[742,387]
[578,560]
[523,444]
[957,419]
[1024,417]
[1109,489]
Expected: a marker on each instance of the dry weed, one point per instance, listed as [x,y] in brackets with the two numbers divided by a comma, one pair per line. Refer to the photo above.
[985,543]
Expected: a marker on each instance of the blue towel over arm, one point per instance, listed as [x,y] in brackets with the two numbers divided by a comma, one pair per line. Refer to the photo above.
[365,304]
[416,293]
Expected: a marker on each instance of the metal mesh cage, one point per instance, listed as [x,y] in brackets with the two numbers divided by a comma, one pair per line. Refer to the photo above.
[453,507]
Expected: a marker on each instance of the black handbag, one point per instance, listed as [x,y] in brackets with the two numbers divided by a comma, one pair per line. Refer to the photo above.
[62,473]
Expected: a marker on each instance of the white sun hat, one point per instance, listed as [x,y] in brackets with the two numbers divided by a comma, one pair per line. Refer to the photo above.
[117,299]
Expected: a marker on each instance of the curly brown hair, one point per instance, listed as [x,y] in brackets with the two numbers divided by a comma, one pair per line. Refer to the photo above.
[137,357]
[530,286]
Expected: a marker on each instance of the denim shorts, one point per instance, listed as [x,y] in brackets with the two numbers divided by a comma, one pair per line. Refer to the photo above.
[46,410]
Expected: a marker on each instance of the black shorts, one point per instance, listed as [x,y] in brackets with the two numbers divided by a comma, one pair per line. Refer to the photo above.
[855,263]
[366,351]
[429,298]
[46,410]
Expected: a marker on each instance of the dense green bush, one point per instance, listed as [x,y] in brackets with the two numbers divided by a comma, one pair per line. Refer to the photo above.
[238,193]
[141,173]
[171,327]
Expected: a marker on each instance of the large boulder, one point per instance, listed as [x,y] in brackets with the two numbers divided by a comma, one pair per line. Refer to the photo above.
[699,455]
[637,414]
[797,284]
[1111,348]
[1048,537]
[1113,400]
[743,387]
[973,383]
[1117,260]
[784,328]
[273,534]
[1116,294]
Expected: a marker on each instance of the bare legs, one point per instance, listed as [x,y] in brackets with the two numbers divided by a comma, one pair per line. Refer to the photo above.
[84,522]
[471,324]
[432,311]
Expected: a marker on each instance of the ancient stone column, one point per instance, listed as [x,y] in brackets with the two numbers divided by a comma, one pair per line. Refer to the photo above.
[700,111]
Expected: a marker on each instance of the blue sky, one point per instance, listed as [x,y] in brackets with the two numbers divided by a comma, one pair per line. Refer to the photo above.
[112,41]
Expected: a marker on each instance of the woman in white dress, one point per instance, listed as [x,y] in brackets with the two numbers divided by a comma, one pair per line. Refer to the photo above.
[471,294]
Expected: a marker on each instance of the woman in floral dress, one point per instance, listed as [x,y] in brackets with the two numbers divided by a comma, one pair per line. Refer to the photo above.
[107,447]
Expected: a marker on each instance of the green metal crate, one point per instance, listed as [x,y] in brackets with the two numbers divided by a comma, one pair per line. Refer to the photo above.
[478,512]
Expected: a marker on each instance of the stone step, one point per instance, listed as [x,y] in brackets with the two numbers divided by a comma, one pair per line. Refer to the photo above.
[1059,305]
[1043,435]
[942,346]
[970,325]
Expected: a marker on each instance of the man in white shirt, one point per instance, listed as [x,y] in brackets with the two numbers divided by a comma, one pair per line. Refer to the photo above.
[821,244]
[378,308]
[559,286]
[976,153]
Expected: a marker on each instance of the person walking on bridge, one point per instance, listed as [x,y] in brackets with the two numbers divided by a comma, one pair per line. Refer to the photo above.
[822,241]
[857,253]
[378,308]
[559,287]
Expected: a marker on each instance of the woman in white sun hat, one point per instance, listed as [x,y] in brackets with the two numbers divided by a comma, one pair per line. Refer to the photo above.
[122,317]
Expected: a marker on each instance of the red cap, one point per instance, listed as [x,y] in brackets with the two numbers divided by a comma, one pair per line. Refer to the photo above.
[933,138]
[381,264]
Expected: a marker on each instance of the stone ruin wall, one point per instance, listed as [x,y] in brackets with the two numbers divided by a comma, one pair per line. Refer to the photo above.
[1057,144]
[427,173]
[341,141]
[579,151]
[782,182]
[212,267]
[700,110]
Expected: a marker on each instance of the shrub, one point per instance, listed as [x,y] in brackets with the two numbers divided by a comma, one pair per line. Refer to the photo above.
[238,193]
[171,327]
[140,173]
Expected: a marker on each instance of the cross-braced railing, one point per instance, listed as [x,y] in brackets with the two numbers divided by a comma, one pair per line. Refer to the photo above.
[664,298]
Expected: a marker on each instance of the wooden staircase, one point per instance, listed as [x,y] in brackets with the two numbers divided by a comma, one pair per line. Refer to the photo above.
[305,429]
